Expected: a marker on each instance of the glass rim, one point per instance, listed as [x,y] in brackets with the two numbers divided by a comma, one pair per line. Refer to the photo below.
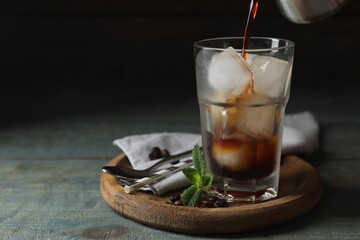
[290,44]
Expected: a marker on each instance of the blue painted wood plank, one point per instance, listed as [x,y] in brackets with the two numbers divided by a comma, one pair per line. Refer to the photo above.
[60,199]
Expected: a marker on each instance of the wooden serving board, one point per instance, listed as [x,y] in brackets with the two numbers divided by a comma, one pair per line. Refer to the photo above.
[300,189]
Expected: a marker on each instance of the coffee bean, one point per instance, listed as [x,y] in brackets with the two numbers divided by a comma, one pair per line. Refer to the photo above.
[165,153]
[155,153]
[212,199]
[220,202]
[156,149]
[175,197]
[206,204]
[178,202]
[206,201]
[152,156]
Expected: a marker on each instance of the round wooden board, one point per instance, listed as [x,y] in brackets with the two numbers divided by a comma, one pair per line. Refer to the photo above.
[300,189]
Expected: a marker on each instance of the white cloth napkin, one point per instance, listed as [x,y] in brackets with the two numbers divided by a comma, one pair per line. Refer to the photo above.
[300,136]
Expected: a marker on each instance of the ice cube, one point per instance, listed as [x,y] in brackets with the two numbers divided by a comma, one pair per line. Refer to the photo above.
[203,58]
[214,121]
[229,74]
[270,75]
[253,114]
[235,154]
[250,57]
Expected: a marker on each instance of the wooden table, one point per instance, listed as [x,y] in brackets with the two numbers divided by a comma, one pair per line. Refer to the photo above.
[57,127]
[50,172]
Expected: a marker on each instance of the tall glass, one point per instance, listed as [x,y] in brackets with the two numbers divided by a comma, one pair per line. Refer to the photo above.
[242,97]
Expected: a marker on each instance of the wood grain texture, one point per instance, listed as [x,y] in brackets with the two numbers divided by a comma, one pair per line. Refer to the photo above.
[300,189]
[61,199]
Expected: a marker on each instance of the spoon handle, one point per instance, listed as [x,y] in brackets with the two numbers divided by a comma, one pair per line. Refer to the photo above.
[157,176]
[130,173]
[171,159]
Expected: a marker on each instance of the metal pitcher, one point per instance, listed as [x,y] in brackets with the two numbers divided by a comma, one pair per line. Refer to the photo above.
[309,11]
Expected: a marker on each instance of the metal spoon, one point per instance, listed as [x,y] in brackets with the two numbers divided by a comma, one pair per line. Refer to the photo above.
[126,172]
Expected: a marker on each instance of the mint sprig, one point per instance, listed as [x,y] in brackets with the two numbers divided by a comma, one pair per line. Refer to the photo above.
[200,180]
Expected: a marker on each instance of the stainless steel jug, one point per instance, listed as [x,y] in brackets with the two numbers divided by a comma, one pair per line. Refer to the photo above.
[309,11]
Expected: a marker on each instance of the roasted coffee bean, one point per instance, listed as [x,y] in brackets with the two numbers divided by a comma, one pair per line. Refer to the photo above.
[155,153]
[206,204]
[178,202]
[153,156]
[165,153]
[175,197]
[156,150]
[220,202]
[206,201]
[204,196]
[175,162]
[212,199]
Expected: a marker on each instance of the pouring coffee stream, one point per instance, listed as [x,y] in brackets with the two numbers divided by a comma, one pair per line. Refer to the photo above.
[297,11]
[251,17]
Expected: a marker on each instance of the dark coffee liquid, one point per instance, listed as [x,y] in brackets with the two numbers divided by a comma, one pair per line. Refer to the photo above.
[251,17]
[251,158]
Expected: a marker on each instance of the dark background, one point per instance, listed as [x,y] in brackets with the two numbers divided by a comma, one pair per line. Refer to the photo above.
[70,57]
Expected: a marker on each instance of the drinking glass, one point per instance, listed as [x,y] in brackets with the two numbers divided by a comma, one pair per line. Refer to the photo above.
[242,95]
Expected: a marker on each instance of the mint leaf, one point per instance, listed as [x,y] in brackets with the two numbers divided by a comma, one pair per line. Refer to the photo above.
[198,159]
[191,196]
[193,176]
[207,181]
[200,180]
